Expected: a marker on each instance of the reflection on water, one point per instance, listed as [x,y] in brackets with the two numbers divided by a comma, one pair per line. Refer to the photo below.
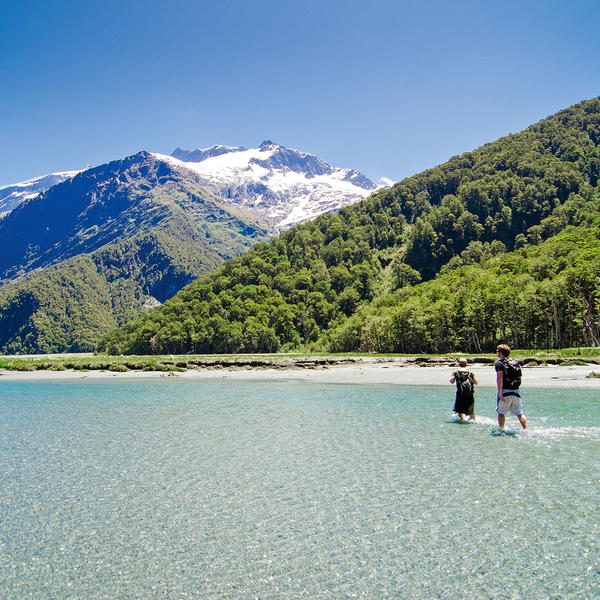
[223,489]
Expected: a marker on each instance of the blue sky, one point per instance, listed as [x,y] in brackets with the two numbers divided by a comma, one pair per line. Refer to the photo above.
[389,88]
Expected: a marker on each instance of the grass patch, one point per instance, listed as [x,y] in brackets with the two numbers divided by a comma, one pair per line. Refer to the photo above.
[180,363]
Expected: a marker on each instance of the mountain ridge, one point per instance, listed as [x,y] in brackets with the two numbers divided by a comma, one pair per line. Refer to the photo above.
[99,206]
[14,194]
[269,155]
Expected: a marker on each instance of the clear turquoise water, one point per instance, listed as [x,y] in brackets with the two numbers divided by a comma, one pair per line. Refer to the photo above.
[224,489]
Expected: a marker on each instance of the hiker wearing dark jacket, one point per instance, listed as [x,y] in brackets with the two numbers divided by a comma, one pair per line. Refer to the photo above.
[508,381]
[465,388]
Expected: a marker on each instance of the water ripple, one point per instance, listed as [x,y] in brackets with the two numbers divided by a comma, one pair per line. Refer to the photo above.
[292,490]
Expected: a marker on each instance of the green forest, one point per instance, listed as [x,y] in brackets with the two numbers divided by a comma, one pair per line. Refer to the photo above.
[500,243]
[68,307]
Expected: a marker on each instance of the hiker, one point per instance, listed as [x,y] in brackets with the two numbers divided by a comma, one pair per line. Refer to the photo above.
[465,382]
[508,380]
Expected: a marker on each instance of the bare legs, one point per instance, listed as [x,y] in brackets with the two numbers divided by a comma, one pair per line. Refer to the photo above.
[522,420]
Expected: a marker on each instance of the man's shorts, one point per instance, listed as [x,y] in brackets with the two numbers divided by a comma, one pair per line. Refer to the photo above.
[512,403]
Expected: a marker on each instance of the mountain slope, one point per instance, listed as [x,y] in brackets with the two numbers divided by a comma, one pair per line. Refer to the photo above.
[115,202]
[68,306]
[106,243]
[12,195]
[305,287]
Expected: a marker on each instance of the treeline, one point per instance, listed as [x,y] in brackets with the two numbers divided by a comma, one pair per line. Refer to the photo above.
[311,287]
[545,296]
[279,295]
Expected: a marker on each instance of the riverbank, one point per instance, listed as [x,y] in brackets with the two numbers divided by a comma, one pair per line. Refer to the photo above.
[414,371]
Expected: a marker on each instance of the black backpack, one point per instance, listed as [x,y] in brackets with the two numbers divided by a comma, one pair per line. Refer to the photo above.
[464,383]
[512,374]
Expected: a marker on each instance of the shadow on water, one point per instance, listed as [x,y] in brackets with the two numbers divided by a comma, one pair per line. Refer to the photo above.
[498,432]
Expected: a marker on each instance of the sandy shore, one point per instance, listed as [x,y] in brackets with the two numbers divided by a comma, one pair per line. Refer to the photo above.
[364,371]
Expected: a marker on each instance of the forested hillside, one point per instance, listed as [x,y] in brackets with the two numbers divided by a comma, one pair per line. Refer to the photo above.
[68,307]
[545,296]
[320,284]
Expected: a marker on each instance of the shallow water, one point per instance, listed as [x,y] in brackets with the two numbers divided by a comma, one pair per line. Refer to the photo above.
[229,489]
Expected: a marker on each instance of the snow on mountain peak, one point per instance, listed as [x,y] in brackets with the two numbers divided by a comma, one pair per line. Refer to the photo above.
[286,186]
[12,195]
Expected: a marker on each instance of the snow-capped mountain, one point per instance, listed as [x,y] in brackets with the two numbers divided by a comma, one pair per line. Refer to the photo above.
[12,195]
[285,186]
